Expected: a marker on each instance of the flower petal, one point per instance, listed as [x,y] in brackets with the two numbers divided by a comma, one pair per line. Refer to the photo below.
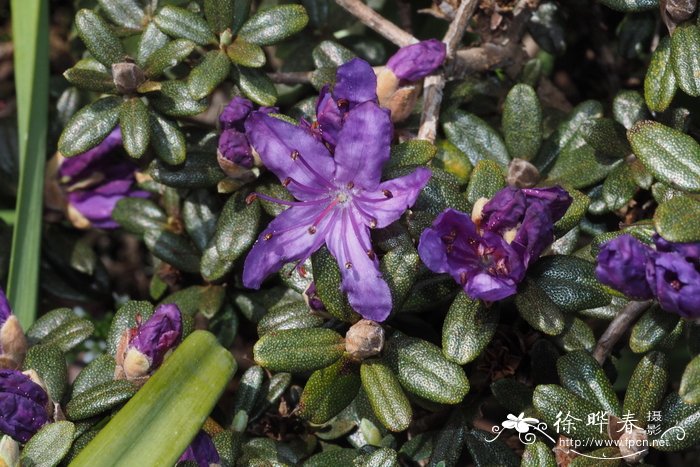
[355,82]
[160,333]
[415,61]
[235,113]
[404,192]
[349,243]
[276,140]
[329,117]
[75,166]
[491,288]
[555,198]
[288,239]
[622,265]
[676,284]
[363,146]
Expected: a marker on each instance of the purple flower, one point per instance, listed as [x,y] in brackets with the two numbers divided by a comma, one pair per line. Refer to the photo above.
[675,281]
[159,334]
[22,405]
[488,254]
[201,450]
[340,198]
[622,264]
[234,147]
[416,61]
[95,181]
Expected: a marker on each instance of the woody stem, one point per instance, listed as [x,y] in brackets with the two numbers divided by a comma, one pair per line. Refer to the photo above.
[618,326]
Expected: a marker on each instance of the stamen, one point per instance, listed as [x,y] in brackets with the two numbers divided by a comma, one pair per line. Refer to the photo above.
[350,185]
[287,181]
[372,223]
[302,270]
[343,104]
[312,229]
[323,214]
[348,265]
[267,236]
[250,198]
[388,193]
[296,156]
[676,284]
[285,202]
[371,254]
[463,278]
[372,220]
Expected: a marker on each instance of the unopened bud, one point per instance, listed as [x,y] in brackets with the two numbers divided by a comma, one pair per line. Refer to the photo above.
[127,77]
[399,99]
[522,174]
[364,339]
[633,445]
[135,364]
[13,343]
[9,452]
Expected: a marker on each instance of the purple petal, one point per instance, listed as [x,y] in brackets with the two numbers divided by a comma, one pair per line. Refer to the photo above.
[74,166]
[355,82]
[278,141]
[416,61]
[622,265]
[363,146]
[22,405]
[505,210]
[349,242]
[484,286]
[5,310]
[555,198]
[329,117]
[535,233]
[234,147]
[160,334]
[235,113]
[432,247]
[690,251]
[404,192]
[286,239]
[201,450]
[676,284]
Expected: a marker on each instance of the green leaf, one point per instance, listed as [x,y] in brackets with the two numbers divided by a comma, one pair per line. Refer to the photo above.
[383,457]
[651,329]
[138,215]
[486,180]
[388,401]
[200,170]
[512,394]
[690,382]
[410,153]
[205,299]
[255,85]
[574,214]
[422,370]
[487,453]
[90,126]
[50,363]
[151,40]
[168,141]
[619,187]
[569,282]
[577,335]
[169,55]
[522,122]
[99,39]
[208,74]
[133,121]
[294,315]
[327,278]
[249,390]
[468,328]
[274,24]
[330,390]
[182,393]
[235,233]
[49,445]
[673,157]
[246,54]
[200,211]
[127,317]
[680,428]
[536,307]
[182,23]
[685,57]
[99,371]
[581,374]
[660,81]
[48,323]
[475,138]
[91,80]
[538,454]
[399,268]
[678,219]
[330,54]
[174,249]
[174,100]
[126,13]
[219,14]
[553,402]
[631,6]
[449,441]
[297,350]
[241,10]
[646,387]
[99,399]
[607,137]
[453,161]
[69,334]
[629,108]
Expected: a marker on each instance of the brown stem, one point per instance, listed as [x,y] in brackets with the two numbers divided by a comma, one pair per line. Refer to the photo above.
[435,84]
[291,77]
[617,328]
[374,20]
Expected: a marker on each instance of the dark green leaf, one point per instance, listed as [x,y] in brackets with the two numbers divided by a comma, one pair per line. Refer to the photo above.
[200,211]
[467,329]
[685,57]
[385,395]
[99,38]
[486,180]
[219,14]
[127,317]
[208,74]
[293,315]
[168,141]
[255,85]
[411,153]
[651,329]
[90,126]
[678,219]
[138,215]
[554,402]
[126,13]
[680,424]
[274,24]
[182,23]
[151,40]
[246,54]
[475,138]
[522,122]
[169,55]
[487,453]
[538,454]
[581,374]
[91,80]
[98,371]
[619,187]
[50,363]
[629,108]
[174,100]
[298,350]
[631,6]
[327,278]
[174,249]
[536,307]
[660,81]
[690,383]
[329,54]
[134,124]
[330,390]
[646,387]
[200,170]
[49,445]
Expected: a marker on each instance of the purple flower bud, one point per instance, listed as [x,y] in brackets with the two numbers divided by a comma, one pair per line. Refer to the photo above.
[22,405]
[159,334]
[555,198]
[675,282]
[622,265]
[201,450]
[312,298]
[505,210]
[690,251]
[235,148]
[235,113]
[416,61]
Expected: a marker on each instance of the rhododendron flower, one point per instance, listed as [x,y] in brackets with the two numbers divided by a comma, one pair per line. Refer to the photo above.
[22,405]
[340,198]
[488,254]
[622,264]
[416,61]
[234,147]
[202,451]
[95,181]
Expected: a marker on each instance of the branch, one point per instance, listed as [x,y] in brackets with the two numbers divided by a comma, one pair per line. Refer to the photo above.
[374,20]
[291,77]
[617,328]
[435,84]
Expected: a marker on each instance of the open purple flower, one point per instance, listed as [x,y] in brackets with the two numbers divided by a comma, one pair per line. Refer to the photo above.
[149,342]
[95,181]
[13,343]
[622,264]
[234,147]
[416,61]
[489,254]
[341,198]
[22,405]
[675,282]
[202,451]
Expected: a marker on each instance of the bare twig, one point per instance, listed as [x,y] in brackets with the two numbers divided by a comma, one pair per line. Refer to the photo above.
[617,328]
[374,20]
[291,77]
[435,84]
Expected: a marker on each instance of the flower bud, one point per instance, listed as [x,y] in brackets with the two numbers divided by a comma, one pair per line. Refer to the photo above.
[22,405]
[622,265]
[312,299]
[13,343]
[364,339]
[9,452]
[522,174]
[633,445]
[127,77]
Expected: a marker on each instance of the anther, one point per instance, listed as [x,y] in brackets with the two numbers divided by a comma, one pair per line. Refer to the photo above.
[371,254]
[463,278]
[250,198]
[267,236]
[388,193]
[312,230]
[372,223]
[286,181]
[295,155]
[350,185]
[343,103]
[302,271]
[348,265]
